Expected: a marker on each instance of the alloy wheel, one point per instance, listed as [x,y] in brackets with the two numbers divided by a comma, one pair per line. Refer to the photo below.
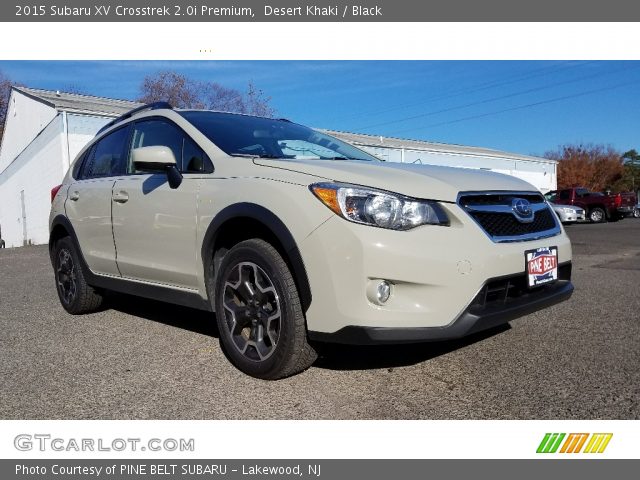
[66,276]
[596,216]
[252,312]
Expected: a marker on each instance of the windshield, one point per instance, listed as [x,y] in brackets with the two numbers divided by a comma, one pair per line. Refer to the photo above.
[242,135]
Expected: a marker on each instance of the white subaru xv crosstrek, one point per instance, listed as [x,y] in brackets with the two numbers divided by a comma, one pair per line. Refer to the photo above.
[292,236]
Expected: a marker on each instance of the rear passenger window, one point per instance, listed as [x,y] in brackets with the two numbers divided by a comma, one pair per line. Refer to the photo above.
[107,156]
[565,194]
[79,166]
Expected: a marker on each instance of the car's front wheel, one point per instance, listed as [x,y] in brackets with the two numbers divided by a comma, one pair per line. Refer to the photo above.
[76,296]
[260,318]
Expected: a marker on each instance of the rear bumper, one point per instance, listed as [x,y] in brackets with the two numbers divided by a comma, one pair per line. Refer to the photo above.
[625,210]
[479,316]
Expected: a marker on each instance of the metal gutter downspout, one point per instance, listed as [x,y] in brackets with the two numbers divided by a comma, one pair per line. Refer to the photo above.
[66,154]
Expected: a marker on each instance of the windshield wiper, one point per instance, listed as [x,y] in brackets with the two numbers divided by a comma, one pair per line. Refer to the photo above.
[255,155]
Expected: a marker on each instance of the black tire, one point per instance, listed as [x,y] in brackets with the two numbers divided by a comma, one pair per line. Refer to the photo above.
[597,215]
[76,296]
[259,315]
[636,212]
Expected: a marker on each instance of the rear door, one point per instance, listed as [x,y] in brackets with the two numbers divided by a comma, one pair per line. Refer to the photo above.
[154,226]
[88,204]
[562,197]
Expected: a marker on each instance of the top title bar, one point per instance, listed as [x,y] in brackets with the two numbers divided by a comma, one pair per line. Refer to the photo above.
[320,11]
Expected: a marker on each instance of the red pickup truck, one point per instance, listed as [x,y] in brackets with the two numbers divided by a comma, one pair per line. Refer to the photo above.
[599,207]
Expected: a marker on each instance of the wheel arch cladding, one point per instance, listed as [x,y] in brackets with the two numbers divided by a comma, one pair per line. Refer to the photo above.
[61,227]
[243,221]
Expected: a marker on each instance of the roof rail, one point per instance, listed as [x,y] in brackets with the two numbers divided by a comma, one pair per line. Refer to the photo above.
[129,114]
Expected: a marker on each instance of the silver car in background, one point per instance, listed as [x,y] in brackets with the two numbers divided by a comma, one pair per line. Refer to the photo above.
[569,213]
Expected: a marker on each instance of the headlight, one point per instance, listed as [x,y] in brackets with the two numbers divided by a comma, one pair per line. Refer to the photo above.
[369,206]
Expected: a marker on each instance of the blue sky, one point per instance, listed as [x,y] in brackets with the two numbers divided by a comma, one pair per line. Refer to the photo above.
[520,106]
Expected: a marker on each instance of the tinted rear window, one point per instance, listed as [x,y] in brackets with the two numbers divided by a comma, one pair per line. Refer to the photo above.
[107,155]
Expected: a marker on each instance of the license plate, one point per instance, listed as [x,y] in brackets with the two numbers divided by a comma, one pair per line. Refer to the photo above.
[541,266]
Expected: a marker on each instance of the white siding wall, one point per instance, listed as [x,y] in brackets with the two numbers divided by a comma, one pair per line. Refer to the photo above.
[25,119]
[82,129]
[36,171]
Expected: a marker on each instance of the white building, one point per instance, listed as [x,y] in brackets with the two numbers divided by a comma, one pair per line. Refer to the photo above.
[540,172]
[45,130]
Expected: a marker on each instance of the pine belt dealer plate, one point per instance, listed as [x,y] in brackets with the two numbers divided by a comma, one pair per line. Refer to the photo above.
[541,266]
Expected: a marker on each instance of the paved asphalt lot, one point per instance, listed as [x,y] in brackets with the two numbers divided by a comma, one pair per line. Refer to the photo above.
[147,360]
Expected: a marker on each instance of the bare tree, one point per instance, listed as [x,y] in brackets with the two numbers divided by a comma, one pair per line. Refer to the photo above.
[5,91]
[257,103]
[593,166]
[74,88]
[184,92]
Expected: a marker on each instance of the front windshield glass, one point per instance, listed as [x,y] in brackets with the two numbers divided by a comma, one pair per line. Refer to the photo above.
[242,135]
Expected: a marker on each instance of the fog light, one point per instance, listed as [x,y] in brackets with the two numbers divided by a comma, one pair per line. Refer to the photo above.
[383,292]
[378,291]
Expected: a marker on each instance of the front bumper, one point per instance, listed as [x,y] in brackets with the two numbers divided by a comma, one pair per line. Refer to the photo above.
[574,216]
[435,272]
[476,318]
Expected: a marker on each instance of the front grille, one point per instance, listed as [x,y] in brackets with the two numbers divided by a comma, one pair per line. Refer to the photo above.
[498,198]
[505,224]
[502,291]
[498,216]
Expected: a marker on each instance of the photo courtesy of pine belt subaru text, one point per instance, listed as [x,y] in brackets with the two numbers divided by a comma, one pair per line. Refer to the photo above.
[291,237]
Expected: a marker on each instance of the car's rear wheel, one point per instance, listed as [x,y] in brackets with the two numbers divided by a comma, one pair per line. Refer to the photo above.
[636,212]
[597,215]
[259,315]
[76,296]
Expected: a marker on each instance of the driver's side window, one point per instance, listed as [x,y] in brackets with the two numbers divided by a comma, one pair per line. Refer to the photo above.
[151,133]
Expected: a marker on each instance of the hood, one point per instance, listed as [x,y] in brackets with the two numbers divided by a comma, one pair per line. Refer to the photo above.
[420,181]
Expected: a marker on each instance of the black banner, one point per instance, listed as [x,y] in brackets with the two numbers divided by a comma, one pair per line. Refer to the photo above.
[312,469]
[319,11]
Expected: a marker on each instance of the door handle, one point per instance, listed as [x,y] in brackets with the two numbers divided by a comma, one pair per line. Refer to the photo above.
[121,197]
[74,196]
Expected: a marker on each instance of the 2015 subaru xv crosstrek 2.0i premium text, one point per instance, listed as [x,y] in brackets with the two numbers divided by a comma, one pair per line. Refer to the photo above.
[292,236]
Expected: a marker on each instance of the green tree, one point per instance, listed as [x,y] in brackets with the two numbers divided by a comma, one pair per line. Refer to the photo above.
[631,175]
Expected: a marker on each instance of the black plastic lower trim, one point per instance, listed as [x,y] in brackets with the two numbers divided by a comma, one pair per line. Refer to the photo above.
[153,292]
[471,321]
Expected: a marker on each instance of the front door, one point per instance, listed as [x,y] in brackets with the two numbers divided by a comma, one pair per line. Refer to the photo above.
[154,226]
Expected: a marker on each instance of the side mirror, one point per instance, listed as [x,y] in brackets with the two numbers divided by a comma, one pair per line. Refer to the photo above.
[157,158]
